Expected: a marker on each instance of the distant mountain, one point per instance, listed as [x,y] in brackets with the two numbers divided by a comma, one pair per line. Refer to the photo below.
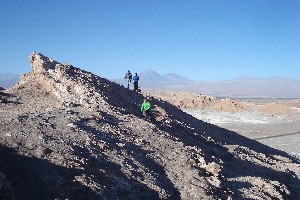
[150,77]
[273,79]
[177,78]
[247,87]
[243,86]
[153,80]
[9,80]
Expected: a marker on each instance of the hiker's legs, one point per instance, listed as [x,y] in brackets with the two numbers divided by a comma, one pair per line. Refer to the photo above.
[135,86]
[146,114]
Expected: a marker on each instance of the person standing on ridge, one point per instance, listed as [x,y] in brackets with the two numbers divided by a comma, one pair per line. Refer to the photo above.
[128,77]
[145,108]
[136,79]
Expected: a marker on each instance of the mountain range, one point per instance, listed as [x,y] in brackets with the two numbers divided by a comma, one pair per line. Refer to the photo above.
[8,80]
[243,86]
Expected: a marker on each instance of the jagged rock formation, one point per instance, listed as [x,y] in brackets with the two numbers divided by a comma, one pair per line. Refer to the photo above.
[68,134]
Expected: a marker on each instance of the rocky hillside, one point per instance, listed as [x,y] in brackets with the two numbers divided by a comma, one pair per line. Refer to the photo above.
[68,134]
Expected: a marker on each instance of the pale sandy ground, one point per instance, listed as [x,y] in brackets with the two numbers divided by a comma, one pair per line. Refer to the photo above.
[278,132]
[274,122]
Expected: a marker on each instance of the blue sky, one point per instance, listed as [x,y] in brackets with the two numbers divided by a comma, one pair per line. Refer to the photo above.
[201,40]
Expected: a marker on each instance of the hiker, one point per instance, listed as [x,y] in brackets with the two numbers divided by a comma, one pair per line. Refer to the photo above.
[145,108]
[136,79]
[128,77]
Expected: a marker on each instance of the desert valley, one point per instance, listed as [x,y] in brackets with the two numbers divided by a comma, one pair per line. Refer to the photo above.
[274,122]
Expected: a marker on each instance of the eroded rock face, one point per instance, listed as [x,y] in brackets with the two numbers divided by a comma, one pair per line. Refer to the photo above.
[69,134]
[68,83]
[41,64]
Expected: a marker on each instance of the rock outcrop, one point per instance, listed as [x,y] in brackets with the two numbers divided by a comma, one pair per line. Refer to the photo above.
[69,134]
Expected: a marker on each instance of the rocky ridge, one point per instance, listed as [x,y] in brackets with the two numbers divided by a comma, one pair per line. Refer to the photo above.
[66,133]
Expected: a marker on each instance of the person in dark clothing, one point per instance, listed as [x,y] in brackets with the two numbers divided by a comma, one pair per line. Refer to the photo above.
[128,77]
[136,79]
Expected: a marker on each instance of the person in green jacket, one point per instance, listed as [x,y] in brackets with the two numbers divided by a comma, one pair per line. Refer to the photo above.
[145,108]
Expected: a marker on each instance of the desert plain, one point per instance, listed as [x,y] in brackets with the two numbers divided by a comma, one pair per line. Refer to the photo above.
[274,122]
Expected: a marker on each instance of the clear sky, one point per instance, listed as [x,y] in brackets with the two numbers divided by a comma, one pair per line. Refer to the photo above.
[199,39]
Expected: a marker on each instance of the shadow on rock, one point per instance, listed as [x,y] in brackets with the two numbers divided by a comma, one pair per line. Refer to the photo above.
[4,98]
[34,178]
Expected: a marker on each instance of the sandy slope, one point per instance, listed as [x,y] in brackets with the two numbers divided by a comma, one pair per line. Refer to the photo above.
[66,133]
